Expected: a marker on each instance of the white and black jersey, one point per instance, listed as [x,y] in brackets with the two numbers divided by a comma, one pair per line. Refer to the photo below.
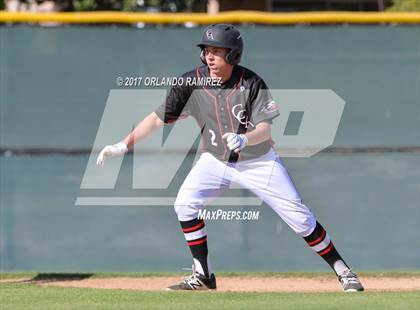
[237,105]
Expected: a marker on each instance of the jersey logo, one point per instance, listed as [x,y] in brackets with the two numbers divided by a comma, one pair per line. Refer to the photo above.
[242,88]
[209,34]
[270,107]
[238,112]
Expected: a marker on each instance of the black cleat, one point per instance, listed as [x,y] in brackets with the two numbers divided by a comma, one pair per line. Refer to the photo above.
[195,282]
[350,282]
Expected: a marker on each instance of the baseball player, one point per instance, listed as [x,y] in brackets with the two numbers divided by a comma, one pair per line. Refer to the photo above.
[235,119]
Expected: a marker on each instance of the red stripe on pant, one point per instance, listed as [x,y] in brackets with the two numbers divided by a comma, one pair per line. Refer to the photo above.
[199,241]
[318,240]
[327,249]
[194,228]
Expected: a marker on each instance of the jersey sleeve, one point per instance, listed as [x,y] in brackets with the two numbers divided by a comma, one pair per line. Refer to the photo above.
[264,108]
[176,105]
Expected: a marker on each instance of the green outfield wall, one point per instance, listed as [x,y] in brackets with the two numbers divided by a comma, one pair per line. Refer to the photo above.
[54,83]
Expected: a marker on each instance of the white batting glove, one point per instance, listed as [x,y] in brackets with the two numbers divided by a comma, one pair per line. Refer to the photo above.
[235,142]
[111,151]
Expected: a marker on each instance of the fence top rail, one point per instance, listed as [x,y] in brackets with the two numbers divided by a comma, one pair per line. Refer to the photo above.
[252,17]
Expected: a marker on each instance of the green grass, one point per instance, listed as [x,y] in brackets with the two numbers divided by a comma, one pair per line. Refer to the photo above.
[31,296]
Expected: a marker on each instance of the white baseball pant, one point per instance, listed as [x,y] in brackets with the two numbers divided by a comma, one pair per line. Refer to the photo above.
[265,176]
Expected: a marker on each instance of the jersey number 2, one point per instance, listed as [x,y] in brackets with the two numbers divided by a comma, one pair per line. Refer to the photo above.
[213,137]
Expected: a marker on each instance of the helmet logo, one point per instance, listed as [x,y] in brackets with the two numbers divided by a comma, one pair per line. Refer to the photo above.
[209,34]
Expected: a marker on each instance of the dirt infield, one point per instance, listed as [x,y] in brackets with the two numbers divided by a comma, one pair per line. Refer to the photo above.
[246,284]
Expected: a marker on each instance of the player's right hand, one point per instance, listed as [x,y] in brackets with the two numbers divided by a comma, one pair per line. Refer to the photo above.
[111,150]
[235,142]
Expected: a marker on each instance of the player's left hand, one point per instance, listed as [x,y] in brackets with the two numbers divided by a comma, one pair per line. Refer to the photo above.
[235,142]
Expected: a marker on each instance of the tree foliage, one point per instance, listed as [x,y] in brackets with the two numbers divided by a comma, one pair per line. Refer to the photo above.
[136,5]
[405,6]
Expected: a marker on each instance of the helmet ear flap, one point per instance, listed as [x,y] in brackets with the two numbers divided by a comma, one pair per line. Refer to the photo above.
[202,57]
[233,57]
[229,57]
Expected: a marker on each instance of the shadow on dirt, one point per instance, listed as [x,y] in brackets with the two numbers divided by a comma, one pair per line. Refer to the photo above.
[54,277]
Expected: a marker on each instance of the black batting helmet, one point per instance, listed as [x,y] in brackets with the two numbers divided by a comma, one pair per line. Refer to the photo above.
[223,35]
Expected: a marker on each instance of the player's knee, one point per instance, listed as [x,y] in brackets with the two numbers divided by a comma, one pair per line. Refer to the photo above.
[179,205]
[186,208]
[306,226]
